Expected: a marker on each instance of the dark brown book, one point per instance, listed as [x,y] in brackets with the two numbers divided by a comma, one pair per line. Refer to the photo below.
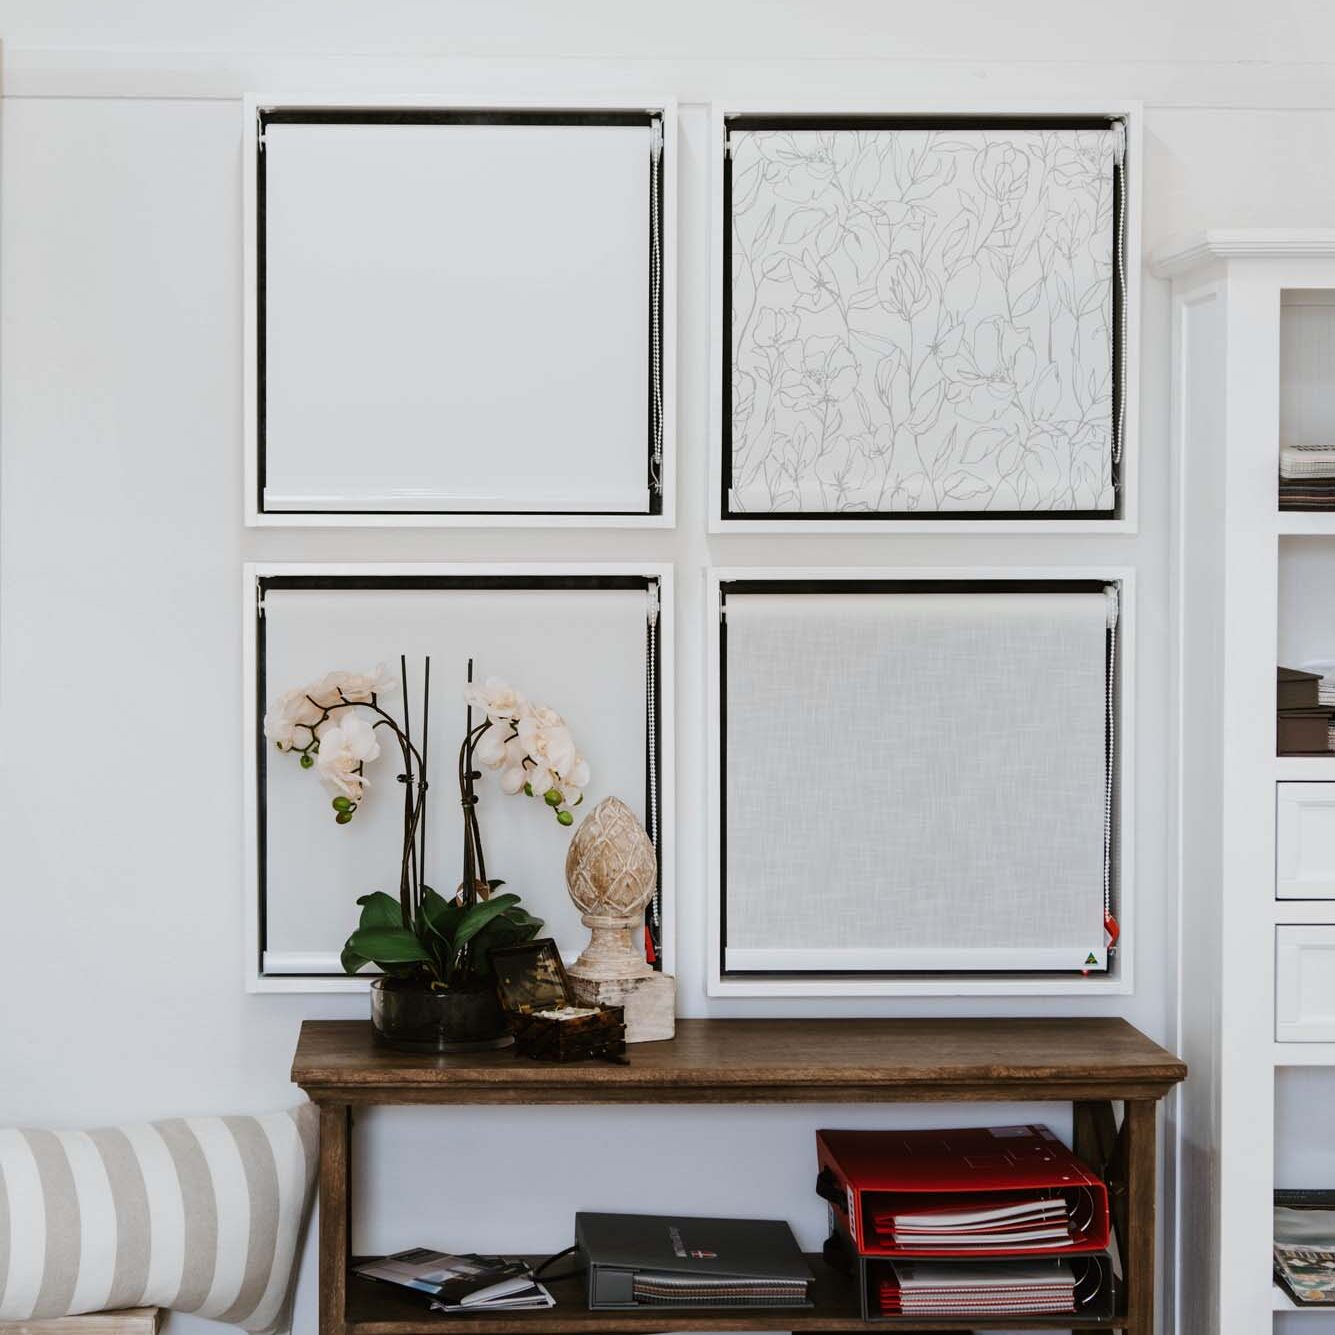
[1298,690]
[1304,732]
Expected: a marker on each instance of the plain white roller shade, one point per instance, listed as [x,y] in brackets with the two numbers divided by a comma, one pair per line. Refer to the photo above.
[915,781]
[456,317]
[582,652]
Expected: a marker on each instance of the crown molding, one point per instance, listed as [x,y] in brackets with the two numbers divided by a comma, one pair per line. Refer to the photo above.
[1234,243]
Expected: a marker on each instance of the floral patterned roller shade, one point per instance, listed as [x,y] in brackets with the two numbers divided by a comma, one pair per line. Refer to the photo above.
[922,321]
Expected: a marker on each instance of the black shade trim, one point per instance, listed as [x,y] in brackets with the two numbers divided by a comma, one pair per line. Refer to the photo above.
[855,517]
[261,786]
[957,121]
[451,116]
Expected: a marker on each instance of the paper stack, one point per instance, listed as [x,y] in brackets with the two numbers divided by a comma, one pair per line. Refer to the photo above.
[961,1288]
[1037,1223]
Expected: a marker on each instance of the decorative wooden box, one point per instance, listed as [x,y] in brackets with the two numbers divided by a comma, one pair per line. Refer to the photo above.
[548,1022]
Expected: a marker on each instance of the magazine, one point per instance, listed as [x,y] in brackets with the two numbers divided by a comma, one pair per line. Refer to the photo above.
[1305,1246]
[460,1283]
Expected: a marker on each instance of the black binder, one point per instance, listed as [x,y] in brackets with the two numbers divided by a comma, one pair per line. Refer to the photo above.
[665,1262]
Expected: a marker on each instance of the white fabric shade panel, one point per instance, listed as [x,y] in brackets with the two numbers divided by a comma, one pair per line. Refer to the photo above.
[914,781]
[922,320]
[580,651]
[457,317]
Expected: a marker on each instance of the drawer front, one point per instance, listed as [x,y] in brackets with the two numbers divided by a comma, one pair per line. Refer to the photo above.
[1305,841]
[1305,984]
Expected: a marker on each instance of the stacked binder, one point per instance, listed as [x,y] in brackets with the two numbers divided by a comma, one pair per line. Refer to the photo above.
[915,1288]
[1303,722]
[632,1260]
[1324,668]
[968,1222]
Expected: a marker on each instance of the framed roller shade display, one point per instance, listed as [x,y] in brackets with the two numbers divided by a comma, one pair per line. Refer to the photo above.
[925,321]
[459,313]
[916,781]
[592,642]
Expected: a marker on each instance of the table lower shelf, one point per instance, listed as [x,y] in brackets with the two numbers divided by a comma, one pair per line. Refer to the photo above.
[380,1309]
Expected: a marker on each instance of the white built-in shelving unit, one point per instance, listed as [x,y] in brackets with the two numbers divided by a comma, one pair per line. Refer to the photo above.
[1254,368]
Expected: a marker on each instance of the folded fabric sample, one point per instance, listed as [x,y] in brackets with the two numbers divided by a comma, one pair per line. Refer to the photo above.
[1308,493]
[193,1214]
[1303,461]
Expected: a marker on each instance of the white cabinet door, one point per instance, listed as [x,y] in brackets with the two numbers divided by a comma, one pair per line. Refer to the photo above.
[1305,841]
[1305,984]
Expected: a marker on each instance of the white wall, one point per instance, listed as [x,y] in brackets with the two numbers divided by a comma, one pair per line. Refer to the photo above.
[121,540]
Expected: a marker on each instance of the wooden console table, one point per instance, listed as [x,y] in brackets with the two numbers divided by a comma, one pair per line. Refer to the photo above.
[1091,1063]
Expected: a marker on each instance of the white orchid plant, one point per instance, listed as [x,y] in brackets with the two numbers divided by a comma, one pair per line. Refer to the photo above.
[319,723]
[530,745]
[331,726]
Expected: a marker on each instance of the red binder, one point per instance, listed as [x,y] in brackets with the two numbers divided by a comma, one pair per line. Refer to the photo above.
[1020,1191]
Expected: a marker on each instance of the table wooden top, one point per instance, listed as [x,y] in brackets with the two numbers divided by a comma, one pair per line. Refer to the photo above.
[764,1061]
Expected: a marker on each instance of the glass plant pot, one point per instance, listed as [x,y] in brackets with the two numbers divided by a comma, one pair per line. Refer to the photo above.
[407,1015]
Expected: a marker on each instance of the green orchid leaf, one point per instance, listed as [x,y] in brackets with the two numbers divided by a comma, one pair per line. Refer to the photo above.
[442,915]
[521,917]
[476,918]
[380,910]
[388,946]
[350,960]
[500,931]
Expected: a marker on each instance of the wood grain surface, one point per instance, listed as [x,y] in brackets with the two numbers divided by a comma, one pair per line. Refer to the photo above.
[132,1321]
[765,1061]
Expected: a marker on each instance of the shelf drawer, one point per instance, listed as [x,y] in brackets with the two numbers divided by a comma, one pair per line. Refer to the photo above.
[1305,983]
[1305,841]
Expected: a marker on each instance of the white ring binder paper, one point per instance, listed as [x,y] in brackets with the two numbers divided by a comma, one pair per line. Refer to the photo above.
[916,777]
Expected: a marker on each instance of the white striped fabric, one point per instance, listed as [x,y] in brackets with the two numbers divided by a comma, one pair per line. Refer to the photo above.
[199,1214]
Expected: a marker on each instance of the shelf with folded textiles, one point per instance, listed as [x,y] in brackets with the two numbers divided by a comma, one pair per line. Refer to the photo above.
[1305,648]
[1306,402]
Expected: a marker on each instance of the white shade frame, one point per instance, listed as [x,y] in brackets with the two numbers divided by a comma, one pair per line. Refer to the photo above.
[1125,518]
[598,497]
[316,970]
[1119,978]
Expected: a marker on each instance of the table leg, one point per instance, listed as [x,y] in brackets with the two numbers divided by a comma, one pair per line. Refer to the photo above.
[1138,1133]
[335,1242]
[1095,1134]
